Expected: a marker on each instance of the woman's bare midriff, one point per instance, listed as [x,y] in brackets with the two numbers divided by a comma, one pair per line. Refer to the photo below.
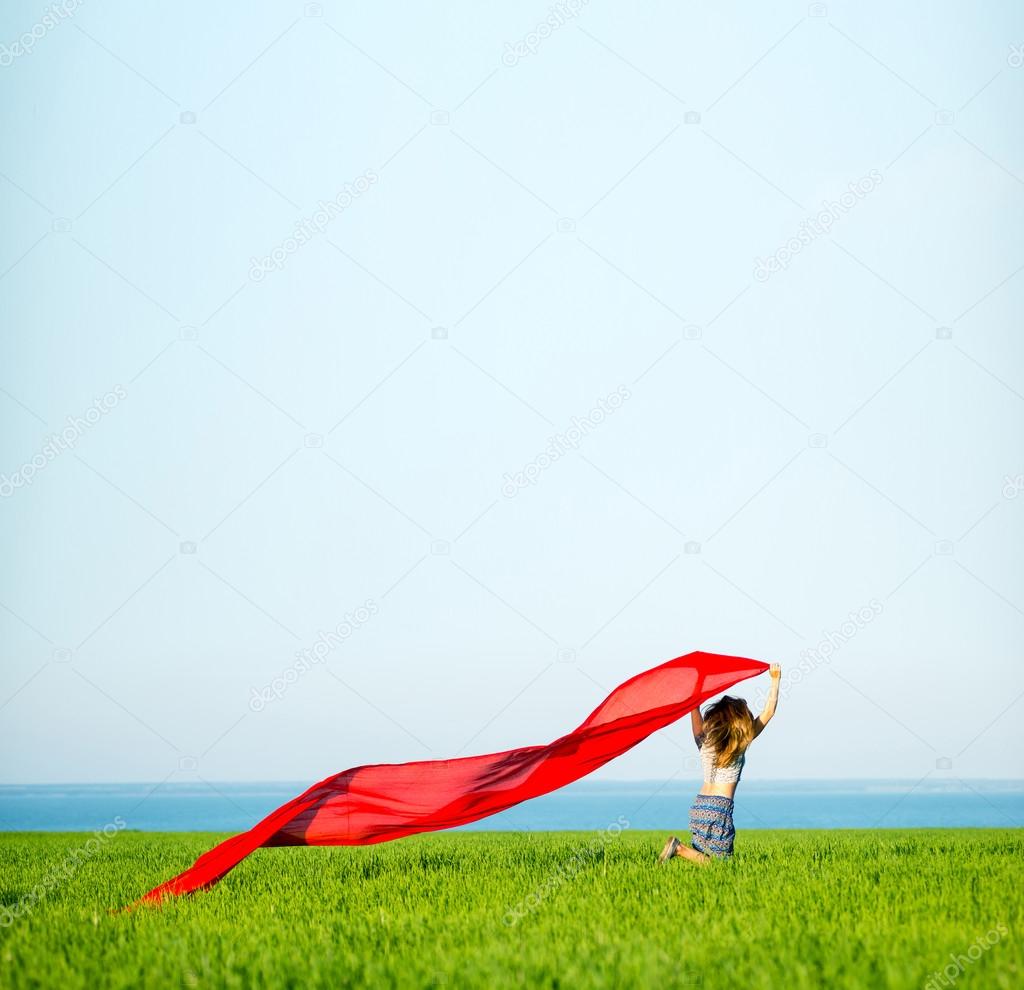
[719,790]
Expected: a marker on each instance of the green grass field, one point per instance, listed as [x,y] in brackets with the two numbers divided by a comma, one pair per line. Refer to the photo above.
[791,910]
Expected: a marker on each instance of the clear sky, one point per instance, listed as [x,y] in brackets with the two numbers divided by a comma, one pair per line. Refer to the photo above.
[504,351]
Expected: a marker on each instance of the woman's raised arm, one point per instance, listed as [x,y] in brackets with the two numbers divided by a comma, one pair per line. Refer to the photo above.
[771,703]
[698,726]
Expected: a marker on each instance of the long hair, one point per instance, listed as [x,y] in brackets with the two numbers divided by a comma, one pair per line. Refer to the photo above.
[728,729]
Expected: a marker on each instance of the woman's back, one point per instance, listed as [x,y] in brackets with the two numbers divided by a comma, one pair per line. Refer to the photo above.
[728,774]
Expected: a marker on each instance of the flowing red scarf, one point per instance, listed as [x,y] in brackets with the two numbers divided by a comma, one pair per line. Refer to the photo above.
[388,801]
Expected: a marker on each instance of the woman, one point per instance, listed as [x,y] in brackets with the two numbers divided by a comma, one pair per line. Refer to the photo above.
[722,735]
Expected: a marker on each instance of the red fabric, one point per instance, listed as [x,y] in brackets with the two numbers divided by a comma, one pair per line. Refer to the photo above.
[388,801]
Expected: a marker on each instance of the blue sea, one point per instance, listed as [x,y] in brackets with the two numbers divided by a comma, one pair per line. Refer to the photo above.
[586,805]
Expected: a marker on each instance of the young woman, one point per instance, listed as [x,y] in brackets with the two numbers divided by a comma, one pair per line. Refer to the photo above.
[722,735]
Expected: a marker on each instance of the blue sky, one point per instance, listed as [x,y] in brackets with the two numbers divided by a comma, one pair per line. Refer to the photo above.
[535,226]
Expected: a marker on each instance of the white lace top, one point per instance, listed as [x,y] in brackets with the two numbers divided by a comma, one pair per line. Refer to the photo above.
[729,774]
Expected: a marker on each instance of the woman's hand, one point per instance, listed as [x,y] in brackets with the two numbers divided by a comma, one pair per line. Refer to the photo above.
[775,671]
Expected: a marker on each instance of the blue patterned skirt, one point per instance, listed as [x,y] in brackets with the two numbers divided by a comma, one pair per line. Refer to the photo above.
[711,825]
